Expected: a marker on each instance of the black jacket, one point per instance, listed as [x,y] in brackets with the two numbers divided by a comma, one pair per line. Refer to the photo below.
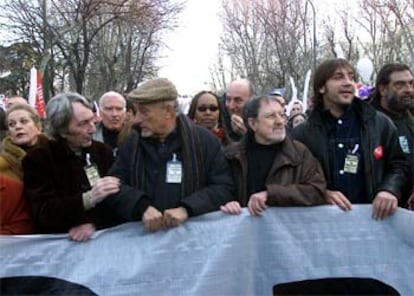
[384,173]
[54,180]
[206,182]
[405,127]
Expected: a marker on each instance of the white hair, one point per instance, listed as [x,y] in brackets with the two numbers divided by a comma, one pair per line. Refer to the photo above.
[111,94]
[290,105]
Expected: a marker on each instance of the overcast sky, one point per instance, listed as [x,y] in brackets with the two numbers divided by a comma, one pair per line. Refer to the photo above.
[193,46]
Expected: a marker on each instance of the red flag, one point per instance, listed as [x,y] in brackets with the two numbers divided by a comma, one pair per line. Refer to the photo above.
[39,102]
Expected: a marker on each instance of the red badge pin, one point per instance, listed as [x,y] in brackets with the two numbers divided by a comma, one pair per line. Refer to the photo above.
[378,152]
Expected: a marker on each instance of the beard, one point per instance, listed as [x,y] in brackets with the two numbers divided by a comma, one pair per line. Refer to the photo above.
[147,134]
[398,104]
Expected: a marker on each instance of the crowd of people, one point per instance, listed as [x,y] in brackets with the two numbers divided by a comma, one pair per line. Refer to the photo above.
[139,158]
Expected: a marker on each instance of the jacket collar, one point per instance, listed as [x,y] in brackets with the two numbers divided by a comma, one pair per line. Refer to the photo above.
[14,153]
[363,110]
[288,153]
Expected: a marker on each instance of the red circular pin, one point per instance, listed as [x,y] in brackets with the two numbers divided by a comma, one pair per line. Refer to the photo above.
[378,152]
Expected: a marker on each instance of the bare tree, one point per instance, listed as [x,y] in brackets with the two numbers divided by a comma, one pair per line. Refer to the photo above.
[268,40]
[221,72]
[73,35]
[381,32]
[126,50]
[244,39]
[288,28]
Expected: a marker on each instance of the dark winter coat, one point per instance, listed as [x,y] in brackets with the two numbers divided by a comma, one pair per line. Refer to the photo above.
[295,178]
[384,162]
[405,127]
[54,180]
[206,182]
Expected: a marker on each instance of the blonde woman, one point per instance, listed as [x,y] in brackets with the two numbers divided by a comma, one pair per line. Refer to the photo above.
[24,132]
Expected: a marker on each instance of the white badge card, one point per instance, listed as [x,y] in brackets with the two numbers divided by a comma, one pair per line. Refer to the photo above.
[174,170]
[91,171]
[404,144]
[351,164]
[351,161]
[92,174]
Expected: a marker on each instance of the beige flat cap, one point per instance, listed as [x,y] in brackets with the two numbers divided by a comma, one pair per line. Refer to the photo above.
[155,90]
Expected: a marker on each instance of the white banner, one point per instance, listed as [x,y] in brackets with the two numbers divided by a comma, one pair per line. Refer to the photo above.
[219,254]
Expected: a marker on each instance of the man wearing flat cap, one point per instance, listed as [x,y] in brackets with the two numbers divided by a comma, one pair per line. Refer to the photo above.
[170,169]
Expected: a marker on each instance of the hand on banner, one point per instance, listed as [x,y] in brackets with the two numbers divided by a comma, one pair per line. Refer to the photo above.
[384,204]
[152,219]
[257,203]
[174,217]
[82,232]
[232,208]
[337,198]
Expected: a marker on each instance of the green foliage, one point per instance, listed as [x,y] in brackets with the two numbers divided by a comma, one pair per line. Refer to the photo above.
[16,59]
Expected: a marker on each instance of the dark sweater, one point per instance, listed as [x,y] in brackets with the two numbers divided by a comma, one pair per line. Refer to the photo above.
[260,159]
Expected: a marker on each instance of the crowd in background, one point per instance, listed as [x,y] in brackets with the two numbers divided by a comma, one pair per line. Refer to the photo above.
[139,158]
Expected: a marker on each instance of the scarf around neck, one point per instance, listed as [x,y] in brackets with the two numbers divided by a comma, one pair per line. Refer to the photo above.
[193,165]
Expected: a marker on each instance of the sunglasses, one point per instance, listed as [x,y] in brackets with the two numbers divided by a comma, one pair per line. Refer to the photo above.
[204,108]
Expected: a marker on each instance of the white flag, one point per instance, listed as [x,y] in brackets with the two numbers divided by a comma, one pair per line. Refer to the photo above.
[33,87]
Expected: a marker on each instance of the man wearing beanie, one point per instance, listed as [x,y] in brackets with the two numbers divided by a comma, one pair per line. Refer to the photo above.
[170,169]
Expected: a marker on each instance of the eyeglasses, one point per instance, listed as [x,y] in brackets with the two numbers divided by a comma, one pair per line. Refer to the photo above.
[204,108]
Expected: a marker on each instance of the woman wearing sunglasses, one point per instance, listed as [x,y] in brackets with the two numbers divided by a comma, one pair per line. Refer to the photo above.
[205,111]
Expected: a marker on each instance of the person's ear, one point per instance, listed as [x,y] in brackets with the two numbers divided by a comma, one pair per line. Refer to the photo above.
[169,112]
[39,128]
[252,123]
[322,90]
[382,89]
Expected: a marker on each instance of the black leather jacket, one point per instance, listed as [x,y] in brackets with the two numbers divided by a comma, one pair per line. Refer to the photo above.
[385,173]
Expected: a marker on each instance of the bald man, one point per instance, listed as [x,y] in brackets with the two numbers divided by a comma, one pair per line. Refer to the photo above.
[237,94]
[15,100]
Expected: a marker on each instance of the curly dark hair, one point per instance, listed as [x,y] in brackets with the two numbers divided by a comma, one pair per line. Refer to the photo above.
[193,108]
[323,73]
[383,78]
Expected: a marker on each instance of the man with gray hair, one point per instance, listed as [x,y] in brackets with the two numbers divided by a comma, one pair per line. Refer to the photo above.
[269,168]
[64,178]
[170,169]
[112,107]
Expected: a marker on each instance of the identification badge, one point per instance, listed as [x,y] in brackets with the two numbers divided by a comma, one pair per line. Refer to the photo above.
[404,144]
[174,170]
[351,164]
[115,152]
[91,171]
